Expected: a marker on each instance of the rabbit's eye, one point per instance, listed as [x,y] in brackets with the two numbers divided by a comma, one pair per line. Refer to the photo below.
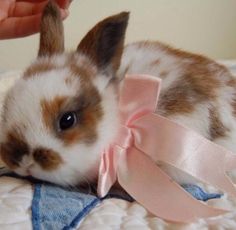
[67,120]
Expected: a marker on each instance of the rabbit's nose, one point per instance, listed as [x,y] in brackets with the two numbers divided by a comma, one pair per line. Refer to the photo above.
[27,161]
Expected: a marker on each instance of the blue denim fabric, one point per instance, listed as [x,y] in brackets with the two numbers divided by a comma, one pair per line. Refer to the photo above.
[199,194]
[56,208]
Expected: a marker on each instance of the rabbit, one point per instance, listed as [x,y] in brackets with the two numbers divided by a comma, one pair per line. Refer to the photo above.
[63,112]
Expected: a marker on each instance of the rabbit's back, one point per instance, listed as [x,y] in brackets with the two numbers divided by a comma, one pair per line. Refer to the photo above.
[196,92]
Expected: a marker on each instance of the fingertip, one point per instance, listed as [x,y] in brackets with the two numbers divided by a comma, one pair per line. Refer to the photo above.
[64,4]
[64,13]
[20,27]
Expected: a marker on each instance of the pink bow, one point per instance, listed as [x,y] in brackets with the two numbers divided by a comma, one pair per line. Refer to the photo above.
[145,138]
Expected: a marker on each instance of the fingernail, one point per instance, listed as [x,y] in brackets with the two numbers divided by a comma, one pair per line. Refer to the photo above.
[64,13]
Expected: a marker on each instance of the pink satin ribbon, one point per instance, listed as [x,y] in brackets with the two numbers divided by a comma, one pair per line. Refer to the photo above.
[145,138]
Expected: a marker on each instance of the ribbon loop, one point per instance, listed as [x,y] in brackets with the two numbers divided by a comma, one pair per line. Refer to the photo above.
[142,92]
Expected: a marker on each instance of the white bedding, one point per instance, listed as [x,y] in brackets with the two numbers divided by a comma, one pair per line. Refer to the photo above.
[16,196]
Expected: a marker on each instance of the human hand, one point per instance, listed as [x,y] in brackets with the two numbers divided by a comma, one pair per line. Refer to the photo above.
[19,18]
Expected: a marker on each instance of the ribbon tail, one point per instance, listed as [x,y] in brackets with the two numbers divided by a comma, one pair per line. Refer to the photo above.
[157,192]
[107,173]
[185,150]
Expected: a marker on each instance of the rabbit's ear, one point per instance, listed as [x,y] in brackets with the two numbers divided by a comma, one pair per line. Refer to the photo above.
[51,31]
[103,44]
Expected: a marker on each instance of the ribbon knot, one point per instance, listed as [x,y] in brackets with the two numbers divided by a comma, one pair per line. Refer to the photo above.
[145,138]
[125,138]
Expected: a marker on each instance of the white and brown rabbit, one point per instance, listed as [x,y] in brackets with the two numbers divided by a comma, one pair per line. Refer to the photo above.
[62,113]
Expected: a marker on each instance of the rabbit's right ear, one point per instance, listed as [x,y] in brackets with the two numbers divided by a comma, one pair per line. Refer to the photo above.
[103,44]
[51,31]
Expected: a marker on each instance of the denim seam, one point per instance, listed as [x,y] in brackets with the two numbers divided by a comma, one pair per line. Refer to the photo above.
[35,207]
[82,214]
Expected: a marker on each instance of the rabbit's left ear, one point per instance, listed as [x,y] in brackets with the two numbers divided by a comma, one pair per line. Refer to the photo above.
[51,31]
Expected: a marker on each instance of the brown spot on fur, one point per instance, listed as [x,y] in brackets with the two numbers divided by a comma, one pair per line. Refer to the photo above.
[87,108]
[37,68]
[233,102]
[85,72]
[203,86]
[69,81]
[155,63]
[217,128]
[47,158]
[51,109]
[163,74]
[13,149]
[175,100]
[186,92]
[232,83]
[80,67]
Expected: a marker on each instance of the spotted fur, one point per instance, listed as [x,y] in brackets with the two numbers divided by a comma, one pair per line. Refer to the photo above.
[196,92]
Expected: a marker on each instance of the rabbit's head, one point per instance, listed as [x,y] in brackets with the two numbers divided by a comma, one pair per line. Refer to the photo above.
[62,113]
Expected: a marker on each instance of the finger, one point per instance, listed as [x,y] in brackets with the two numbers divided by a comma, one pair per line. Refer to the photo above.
[64,13]
[21,27]
[4,8]
[3,14]
[21,9]
[64,4]
[33,1]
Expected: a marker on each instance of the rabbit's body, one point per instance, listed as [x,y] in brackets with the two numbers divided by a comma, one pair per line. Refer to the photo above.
[60,116]
[196,92]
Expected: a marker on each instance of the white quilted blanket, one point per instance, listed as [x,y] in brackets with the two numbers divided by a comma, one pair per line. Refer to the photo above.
[16,196]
